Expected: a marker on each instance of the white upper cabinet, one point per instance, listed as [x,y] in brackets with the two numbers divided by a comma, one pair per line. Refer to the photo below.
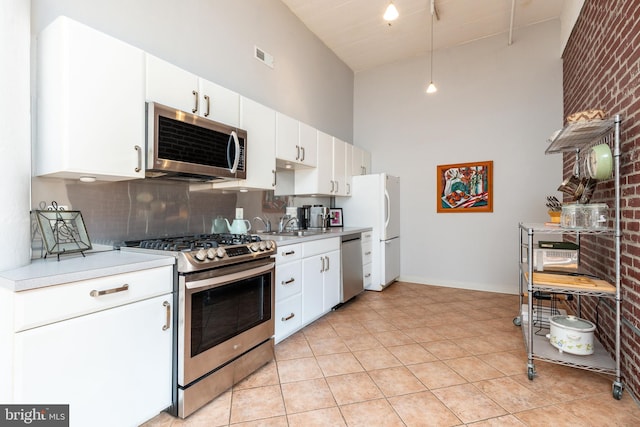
[318,180]
[339,171]
[296,143]
[174,87]
[90,104]
[361,161]
[329,177]
[260,123]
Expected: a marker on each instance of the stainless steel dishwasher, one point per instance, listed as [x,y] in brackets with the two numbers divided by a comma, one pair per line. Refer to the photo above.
[352,281]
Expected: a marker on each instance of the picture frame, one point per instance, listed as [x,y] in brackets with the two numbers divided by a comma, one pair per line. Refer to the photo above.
[335,217]
[465,187]
[63,231]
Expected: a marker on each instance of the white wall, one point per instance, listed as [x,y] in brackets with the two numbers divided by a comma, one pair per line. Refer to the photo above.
[15,149]
[495,102]
[215,39]
[570,12]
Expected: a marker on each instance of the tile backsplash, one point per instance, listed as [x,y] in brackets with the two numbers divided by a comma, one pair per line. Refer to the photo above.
[129,210]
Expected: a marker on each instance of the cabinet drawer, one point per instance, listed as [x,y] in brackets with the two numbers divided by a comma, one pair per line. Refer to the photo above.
[47,305]
[321,246]
[366,275]
[288,253]
[288,316]
[366,236]
[288,280]
[367,249]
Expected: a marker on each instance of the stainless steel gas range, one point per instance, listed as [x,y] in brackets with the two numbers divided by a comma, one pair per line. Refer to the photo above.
[224,323]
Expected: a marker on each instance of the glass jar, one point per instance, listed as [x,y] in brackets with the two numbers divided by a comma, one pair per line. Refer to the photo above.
[596,215]
[572,216]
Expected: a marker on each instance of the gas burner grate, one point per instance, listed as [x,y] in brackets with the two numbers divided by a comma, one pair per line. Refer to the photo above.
[193,242]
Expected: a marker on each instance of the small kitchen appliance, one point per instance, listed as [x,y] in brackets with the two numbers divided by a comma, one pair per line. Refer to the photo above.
[186,146]
[224,323]
[318,216]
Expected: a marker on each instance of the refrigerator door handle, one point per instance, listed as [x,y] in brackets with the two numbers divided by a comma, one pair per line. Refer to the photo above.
[387,212]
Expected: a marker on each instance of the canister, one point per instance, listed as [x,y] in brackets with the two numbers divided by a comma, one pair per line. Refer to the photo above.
[572,216]
[595,215]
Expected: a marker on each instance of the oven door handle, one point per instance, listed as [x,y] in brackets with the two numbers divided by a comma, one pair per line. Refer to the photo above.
[227,278]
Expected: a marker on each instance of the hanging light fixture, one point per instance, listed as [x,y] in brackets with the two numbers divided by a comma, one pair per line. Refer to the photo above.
[391,14]
[432,88]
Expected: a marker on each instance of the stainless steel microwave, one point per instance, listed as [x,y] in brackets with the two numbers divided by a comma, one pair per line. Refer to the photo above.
[185,146]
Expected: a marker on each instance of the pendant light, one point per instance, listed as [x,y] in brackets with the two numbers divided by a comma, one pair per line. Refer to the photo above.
[431,88]
[391,14]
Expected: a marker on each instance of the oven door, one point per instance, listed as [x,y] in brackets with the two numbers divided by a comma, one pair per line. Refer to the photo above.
[223,313]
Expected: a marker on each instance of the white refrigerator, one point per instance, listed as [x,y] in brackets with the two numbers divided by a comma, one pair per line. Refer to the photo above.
[375,203]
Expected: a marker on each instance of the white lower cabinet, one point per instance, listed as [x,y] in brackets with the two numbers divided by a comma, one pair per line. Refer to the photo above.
[112,365]
[367,256]
[288,291]
[307,283]
[320,278]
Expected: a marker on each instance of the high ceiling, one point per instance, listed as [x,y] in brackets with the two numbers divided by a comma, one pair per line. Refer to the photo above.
[356,32]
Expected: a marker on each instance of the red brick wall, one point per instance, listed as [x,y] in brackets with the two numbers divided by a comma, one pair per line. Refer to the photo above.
[601,69]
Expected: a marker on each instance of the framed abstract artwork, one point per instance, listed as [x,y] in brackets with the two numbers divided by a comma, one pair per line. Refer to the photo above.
[465,187]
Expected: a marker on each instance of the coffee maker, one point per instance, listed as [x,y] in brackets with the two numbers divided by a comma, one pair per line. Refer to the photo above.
[318,216]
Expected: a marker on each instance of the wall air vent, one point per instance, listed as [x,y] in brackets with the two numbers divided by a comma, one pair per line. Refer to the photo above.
[263,57]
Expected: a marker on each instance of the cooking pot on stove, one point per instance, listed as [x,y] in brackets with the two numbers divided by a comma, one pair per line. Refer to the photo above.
[220,225]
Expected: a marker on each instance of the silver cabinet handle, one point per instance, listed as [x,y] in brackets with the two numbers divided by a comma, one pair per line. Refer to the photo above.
[303,154]
[195,105]
[298,152]
[288,282]
[368,275]
[208,106]
[328,266]
[348,188]
[275,178]
[289,317]
[368,253]
[322,262]
[332,186]
[167,324]
[139,150]
[288,253]
[95,293]
[337,186]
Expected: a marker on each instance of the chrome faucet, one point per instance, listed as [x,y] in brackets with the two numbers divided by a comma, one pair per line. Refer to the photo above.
[285,221]
[266,222]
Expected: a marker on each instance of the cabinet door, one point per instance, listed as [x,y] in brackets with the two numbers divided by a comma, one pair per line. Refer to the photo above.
[331,280]
[318,180]
[260,123]
[219,103]
[112,367]
[287,139]
[172,86]
[349,168]
[339,167]
[309,145]
[312,288]
[90,116]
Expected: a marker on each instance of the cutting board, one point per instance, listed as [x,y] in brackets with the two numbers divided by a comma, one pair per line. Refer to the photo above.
[584,283]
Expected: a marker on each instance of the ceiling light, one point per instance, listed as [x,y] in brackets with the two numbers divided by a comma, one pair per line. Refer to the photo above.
[432,88]
[391,14]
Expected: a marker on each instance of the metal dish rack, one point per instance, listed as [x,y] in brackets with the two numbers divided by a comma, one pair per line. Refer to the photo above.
[574,137]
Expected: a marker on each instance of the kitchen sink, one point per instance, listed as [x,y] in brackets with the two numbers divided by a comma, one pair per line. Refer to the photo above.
[293,233]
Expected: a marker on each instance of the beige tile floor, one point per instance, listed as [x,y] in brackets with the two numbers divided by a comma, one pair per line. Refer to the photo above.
[414,355]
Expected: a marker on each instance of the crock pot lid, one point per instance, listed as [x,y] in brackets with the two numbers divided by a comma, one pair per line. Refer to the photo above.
[573,322]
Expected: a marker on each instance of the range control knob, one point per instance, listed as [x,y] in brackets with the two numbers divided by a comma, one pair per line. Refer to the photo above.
[211,253]
[201,255]
[254,246]
[268,244]
[263,246]
[220,252]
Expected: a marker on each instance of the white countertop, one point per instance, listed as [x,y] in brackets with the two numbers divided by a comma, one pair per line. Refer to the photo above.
[282,240]
[74,267]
